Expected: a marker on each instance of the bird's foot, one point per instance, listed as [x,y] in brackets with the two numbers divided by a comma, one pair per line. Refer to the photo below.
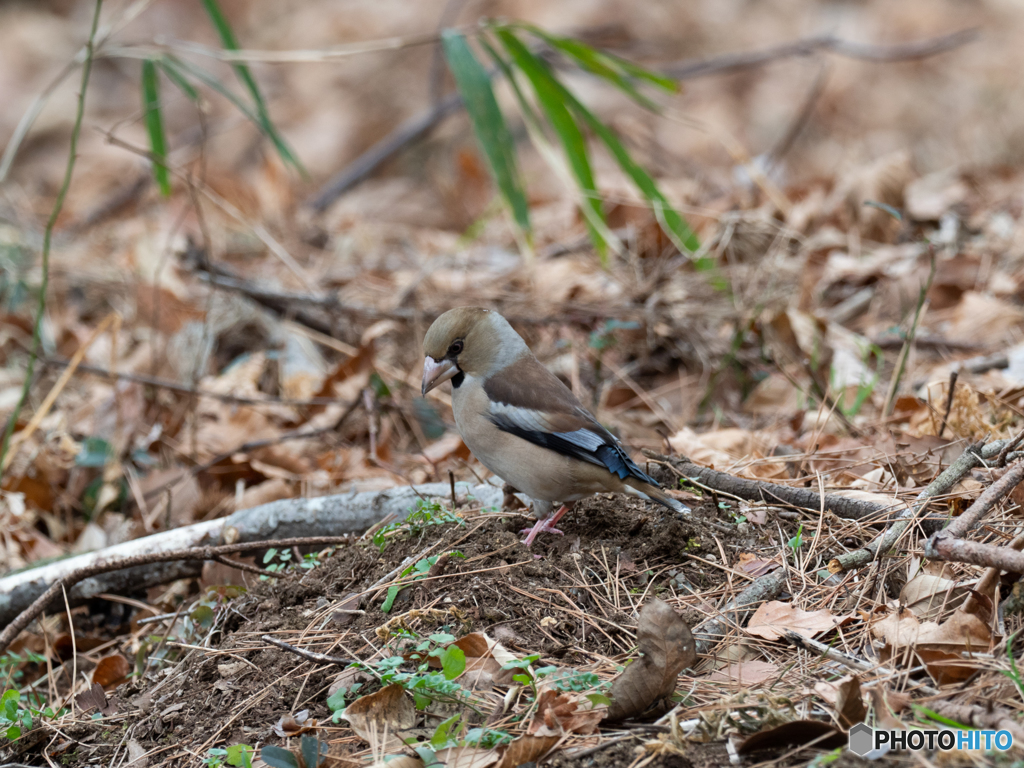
[541,526]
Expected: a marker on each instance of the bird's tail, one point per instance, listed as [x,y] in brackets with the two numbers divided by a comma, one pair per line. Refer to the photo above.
[654,493]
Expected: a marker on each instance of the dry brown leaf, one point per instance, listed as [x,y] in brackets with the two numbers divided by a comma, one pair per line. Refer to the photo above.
[347,678]
[849,702]
[886,705]
[568,712]
[793,734]
[944,648]
[745,673]
[381,717]
[985,320]
[927,596]
[754,565]
[445,447]
[293,725]
[773,619]
[401,761]
[466,757]
[95,698]
[484,660]
[529,749]
[111,670]
[667,647]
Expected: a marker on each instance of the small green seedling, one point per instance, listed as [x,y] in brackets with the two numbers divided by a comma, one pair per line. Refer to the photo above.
[416,571]
[237,755]
[426,514]
[797,541]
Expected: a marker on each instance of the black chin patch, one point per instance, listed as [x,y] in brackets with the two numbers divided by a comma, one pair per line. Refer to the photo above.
[457,379]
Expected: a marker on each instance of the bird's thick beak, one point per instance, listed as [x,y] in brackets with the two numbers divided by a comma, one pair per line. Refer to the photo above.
[437,372]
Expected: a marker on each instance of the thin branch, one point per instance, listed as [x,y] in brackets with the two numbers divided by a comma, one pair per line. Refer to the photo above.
[953,474]
[984,503]
[174,386]
[949,544]
[953,375]
[736,62]
[1010,446]
[319,658]
[759,490]
[369,161]
[25,618]
[736,611]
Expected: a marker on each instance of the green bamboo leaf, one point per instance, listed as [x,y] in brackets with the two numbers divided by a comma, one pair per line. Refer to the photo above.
[178,79]
[674,224]
[561,119]
[617,70]
[230,43]
[155,126]
[492,132]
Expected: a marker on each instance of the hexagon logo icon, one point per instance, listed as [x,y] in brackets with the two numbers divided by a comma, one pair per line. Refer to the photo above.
[861,739]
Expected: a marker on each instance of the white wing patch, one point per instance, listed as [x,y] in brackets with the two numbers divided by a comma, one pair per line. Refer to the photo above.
[524,418]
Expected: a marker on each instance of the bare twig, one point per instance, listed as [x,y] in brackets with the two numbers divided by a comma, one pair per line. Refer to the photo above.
[363,166]
[949,402]
[758,490]
[956,550]
[949,544]
[735,62]
[196,553]
[953,474]
[988,581]
[319,658]
[799,122]
[984,503]
[736,611]
[173,386]
[1010,446]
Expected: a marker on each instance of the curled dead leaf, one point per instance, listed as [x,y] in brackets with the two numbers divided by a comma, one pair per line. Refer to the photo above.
[293,725]
[793,734]
[381,717]
[667,647]
[111,670]
[530,749]
[849,701]
[569,712]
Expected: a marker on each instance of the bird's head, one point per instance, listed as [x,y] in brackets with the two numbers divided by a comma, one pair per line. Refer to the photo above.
[469,340]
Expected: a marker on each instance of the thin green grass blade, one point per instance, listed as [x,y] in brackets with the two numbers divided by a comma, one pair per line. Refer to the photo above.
[573,141]
[155,126]
[614,69]
[230,43]
[178,79]
[488,122]
[546,149]
[183,67]
[673,224]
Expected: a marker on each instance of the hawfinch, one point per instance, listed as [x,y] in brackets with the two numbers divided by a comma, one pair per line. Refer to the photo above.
[522,422]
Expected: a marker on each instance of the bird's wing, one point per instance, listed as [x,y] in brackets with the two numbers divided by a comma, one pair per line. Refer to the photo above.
[530,402]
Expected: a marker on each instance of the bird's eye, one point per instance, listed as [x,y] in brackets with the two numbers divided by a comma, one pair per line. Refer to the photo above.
[455,348]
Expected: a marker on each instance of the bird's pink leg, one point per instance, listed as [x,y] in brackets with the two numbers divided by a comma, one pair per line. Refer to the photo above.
[546,525]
